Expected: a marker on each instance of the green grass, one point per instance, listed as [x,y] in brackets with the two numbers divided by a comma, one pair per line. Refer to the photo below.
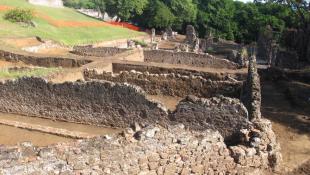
[66,35]
[35,72]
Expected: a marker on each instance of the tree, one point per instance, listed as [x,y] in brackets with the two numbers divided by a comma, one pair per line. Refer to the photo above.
[125,9]
[218,16]
[185,11]
[157,15]
[162,16]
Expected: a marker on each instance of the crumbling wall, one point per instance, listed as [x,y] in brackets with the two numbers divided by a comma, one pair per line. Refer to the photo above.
[152,150]
[97,51]
[186,58]
[155,149]
[215,76]
[42,61]
[200,113]
[96,103]
[251,95]
[171,84]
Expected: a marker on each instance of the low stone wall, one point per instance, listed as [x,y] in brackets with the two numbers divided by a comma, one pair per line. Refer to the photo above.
[96,103]
[42,61]
[186,58]
[198,114]
[121,67]
[171,84]
[152,150]
[251,95]
[99,103]
[97,51]
[162,146]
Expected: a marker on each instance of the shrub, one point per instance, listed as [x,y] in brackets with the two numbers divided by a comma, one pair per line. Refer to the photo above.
[19,15]
[141,43]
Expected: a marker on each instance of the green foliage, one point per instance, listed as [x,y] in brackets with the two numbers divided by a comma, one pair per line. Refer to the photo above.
[185,11]
[19,15]
[228,19]
[125,9]
[158,15]
[141,43]
[36,72]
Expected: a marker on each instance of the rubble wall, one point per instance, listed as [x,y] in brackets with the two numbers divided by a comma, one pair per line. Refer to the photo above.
[152,150]
[251,95]
[226,115]
[97,51]
[42,61]
[103,103]
[186,58]
[120,67]
[171,84]
[181,142]
[95,103]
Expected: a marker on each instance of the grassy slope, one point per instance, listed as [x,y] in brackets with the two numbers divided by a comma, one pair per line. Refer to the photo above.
[65,35]
[36,72]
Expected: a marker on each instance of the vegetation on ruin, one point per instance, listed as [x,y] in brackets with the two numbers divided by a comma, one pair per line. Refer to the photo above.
[35,72]
[63,35]
[140,42]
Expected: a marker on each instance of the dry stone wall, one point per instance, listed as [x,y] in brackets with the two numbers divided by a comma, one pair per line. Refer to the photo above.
[251,95]
[153,150]
[171,84]
[96,103]
[164,148]
[121,67]
[42,61]
[97,51]
[186,58]
[200,113]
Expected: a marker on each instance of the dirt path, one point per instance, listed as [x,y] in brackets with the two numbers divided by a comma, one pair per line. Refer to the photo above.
[292,132]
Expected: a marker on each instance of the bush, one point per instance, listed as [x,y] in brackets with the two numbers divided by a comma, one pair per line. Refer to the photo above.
[19,15]
[141,43]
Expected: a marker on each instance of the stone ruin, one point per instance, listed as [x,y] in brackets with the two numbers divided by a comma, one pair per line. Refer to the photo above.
[209,132]
[191,35]
[153,35]
[165,36]
[170,33]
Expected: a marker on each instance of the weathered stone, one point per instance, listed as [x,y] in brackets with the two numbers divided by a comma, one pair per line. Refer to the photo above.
[190,34]
[187,58]
[198,169]
[153,35]
[168,84]
[170,169]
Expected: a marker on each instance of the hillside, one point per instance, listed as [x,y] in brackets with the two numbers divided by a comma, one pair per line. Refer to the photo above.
[62,25]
